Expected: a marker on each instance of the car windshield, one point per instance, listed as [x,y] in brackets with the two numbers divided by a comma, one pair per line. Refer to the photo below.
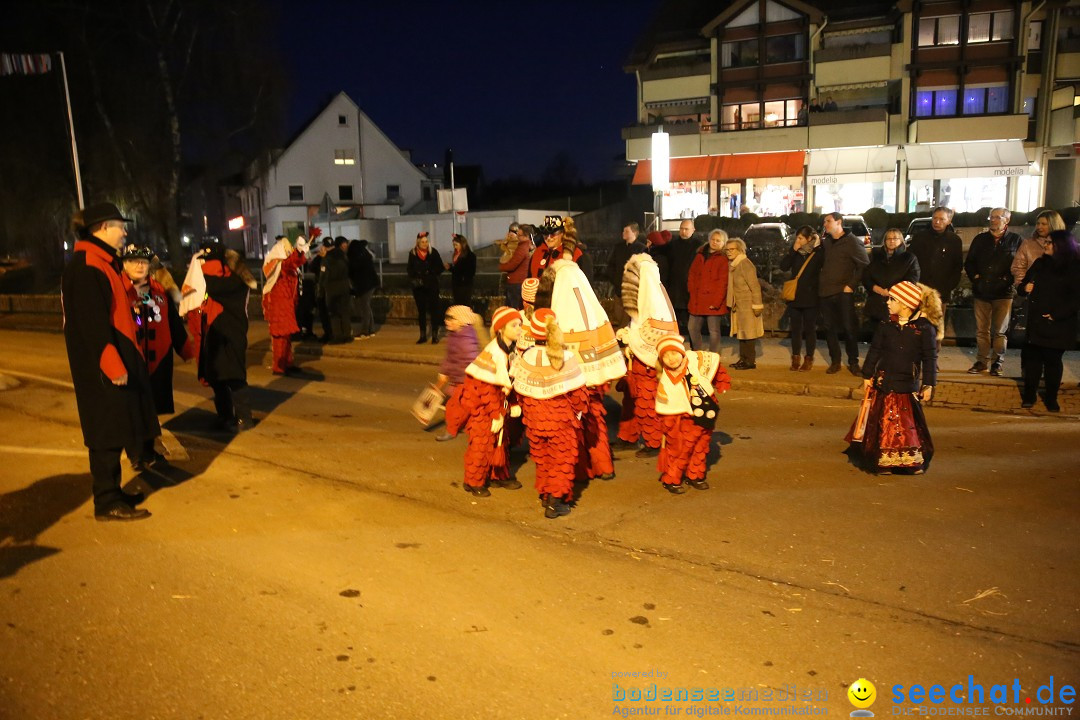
[856,228]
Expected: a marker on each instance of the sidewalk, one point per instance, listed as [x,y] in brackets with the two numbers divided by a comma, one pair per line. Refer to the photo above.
[956,389]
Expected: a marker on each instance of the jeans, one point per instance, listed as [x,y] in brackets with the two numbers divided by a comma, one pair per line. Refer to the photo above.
[714,332]
[838,312]
[513,296]
[803,329]
[991,321]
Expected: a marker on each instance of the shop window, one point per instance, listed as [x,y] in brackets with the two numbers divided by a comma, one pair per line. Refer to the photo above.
[785,48]
[939,31]
[990,27]
[296,193]
[344,193]
[740,54]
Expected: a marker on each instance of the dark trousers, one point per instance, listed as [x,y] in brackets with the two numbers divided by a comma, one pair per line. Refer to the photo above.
[231,401]
[1037,361]
[513,296]
[803,329]
[324,317]
[748,352]
[105,469]
[427,310]
[363,309]
[340,307]
[838,313]
[462,295]
[682,317]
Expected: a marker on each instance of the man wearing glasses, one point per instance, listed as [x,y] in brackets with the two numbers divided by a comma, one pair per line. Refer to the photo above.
[989,267]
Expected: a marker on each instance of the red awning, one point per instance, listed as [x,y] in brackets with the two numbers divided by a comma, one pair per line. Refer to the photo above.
[727,168]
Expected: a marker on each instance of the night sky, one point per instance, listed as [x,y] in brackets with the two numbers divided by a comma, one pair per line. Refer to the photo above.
[507,85]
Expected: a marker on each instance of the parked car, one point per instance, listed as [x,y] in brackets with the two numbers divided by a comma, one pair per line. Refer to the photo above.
[916,226]
[766,244]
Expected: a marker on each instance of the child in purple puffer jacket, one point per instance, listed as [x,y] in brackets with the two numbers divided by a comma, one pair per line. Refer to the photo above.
[465,335]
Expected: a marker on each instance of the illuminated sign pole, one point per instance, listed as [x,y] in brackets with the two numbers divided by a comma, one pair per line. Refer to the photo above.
[661,172]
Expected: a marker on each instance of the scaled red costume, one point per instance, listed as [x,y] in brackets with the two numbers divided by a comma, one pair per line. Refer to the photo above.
[639,416]
[480,406]
[679,392]
[279,302]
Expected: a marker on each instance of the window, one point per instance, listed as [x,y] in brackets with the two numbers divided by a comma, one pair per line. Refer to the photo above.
[997,99]
[426,192]
[393,192]
[1029,107]
[344,192]
[977,100]
[342,119]
[935,102]
[345,157]
[739,54]
[974,101]
[785,48]
[296,193]
[939,31]
[987,27]
[945,102]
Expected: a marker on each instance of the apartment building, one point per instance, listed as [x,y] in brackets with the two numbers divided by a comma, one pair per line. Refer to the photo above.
[778,106]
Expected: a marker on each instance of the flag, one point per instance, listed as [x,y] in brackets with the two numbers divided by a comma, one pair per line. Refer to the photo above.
[13,64]
[193,289]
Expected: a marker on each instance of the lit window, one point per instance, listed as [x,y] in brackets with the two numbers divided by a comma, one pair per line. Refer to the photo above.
[924,103]
[344,157]
[1003,25]
[945,102]
[927,29]
[979,28]
[974,101]
[997,99]
[948,30]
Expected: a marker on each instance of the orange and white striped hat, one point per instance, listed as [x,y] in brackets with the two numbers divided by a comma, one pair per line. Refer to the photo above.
[670,342]
[538,324]
[501,317]
[907,294]
[528,290]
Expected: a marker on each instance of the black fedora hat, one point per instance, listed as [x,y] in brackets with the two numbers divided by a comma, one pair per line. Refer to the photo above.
[100,213]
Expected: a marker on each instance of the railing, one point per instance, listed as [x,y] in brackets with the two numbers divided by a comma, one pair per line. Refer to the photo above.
[842,117]
[853,52]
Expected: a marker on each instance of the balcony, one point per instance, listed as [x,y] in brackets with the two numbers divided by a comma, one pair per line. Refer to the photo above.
[1068,59]
[849,128]
[775,139]
[870,63]
[1065,126]
[968,128]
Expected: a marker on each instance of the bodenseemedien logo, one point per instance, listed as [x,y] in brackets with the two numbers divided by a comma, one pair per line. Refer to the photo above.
[862,695]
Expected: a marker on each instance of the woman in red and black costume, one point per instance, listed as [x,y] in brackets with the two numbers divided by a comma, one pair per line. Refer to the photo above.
[554,230]
[223,351]
[481,406]
[551,389]
[282,270]
[686,400]
[159,332]
[112,385]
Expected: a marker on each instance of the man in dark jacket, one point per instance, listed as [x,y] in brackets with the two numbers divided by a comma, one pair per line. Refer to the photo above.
[334,286]
[112,383]
[845,258]
[989,267]
[631,245]
[940,254]
[681,253]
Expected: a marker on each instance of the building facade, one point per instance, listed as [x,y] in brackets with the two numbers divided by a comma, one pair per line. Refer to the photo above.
[340,161]
[777,106]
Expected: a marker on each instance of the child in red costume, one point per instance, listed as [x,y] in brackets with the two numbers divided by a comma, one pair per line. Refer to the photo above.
[686,399]
[481,407]
[282,268]
[551,389]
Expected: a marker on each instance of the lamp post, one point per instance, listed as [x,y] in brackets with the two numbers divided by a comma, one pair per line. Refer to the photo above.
[661,172]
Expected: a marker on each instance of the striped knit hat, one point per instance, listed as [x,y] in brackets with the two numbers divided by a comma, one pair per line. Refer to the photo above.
[907,294]
[670,342]
[528,290]
[538,324]
[501,317]
[462,313]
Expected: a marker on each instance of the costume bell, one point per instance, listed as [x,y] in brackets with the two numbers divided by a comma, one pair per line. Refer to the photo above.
[899,375]
[481,406]
[283,270]
[551,389]
[686,399]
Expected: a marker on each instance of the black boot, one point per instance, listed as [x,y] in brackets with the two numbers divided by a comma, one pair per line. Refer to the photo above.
[242,409]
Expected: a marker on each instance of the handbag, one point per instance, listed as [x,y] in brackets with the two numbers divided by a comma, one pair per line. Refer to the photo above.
[787,292]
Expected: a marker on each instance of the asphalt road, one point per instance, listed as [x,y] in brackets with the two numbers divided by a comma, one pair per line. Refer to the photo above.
[328,564]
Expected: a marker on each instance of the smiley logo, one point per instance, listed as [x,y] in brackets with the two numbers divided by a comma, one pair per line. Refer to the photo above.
[862,693]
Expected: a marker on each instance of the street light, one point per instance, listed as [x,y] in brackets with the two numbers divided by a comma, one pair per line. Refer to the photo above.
[661,171]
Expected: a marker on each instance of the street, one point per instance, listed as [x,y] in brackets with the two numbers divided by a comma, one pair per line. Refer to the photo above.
[328,564]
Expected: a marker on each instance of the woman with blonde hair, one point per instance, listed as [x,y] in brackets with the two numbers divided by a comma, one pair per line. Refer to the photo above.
[744,299]
[1034,247]
[423,269]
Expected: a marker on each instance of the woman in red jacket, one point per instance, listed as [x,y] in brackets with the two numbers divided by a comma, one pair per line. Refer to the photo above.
[708,290]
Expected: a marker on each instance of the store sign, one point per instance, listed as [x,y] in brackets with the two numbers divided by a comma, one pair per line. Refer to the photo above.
[1011,171]
[824,180]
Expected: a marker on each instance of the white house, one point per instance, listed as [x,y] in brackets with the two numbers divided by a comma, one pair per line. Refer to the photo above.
[341,154]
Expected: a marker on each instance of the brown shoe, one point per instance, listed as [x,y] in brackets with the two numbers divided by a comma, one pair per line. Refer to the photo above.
[795,364]
[807,363]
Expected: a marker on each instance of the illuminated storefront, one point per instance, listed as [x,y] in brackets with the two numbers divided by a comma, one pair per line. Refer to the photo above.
[853,180]
[964,176]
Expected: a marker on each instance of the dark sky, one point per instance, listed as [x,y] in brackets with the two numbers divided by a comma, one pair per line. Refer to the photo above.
[507,85]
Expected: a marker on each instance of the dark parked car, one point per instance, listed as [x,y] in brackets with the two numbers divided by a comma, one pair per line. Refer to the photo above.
[855,225]
[766,244]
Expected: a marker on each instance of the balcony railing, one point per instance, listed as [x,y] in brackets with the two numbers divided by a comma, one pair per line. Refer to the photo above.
[1069,45]
[841,117]
[853,52]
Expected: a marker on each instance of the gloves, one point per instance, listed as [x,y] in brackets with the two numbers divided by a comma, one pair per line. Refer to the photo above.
[302,244]
[515,411]
[496,424]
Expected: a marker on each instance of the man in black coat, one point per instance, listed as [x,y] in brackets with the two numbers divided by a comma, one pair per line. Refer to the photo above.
[630,246]
[940,254]
[334,286]
[681,253]
[112,383]
[989,267]
[845,259]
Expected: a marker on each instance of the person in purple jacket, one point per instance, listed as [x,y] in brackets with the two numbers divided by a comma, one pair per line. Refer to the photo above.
[463,343]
